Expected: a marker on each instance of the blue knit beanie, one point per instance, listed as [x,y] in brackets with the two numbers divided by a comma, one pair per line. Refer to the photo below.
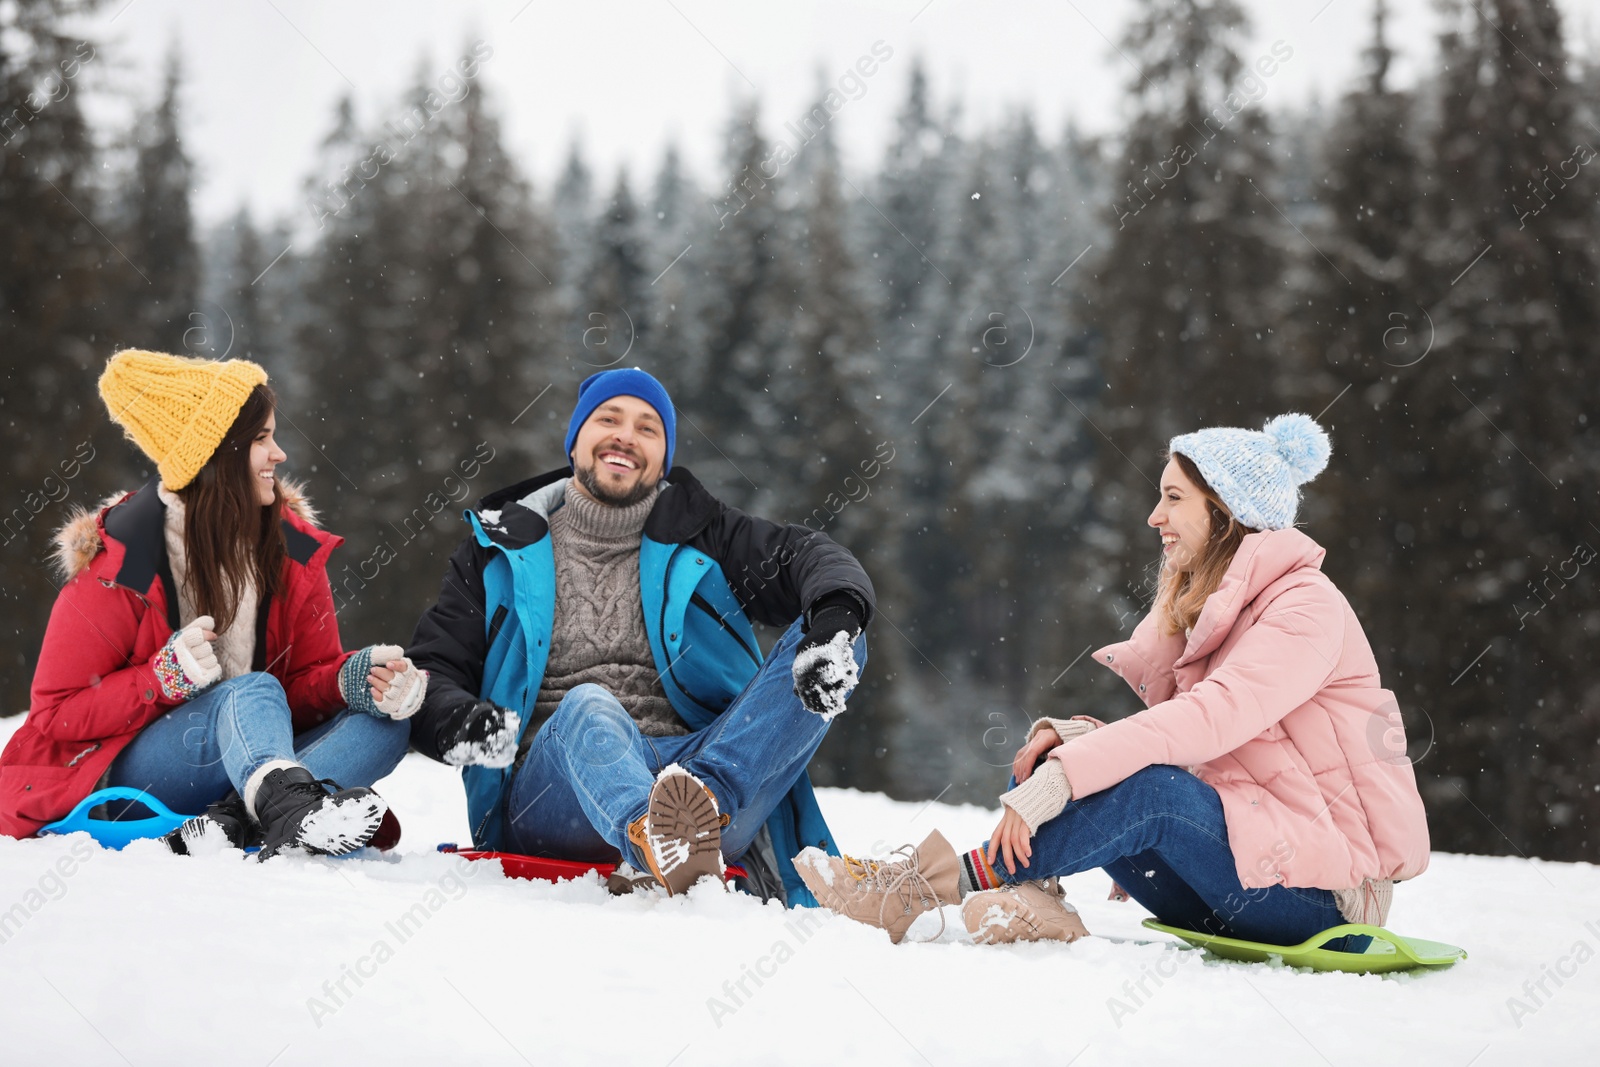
[1259,474]
[624,381]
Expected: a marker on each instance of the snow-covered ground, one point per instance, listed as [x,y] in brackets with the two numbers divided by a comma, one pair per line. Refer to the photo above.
[141,957]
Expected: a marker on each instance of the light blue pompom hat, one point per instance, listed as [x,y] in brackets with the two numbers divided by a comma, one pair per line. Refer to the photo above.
[1258,473]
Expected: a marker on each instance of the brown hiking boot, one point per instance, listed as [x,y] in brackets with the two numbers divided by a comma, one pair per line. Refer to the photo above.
[1027,911]
[889,894]
[680,833]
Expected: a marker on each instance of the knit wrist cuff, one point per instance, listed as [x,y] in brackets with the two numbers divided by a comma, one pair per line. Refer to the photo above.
[175,683]
[353,683]
[1066,729]
[1042,797]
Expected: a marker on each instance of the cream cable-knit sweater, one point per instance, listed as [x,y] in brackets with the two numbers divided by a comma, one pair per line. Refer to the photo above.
[236,646]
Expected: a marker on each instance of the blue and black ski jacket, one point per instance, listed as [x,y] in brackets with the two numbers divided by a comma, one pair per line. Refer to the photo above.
[706,571]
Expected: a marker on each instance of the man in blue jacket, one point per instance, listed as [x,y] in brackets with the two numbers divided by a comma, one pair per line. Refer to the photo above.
[594,670]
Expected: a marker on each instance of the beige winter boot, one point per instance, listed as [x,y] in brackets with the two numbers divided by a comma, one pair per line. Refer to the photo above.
[888,894]
[680,833]
[1027,911]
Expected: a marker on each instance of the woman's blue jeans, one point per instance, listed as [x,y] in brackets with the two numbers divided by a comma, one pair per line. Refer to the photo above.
[1160,834]
[195,753]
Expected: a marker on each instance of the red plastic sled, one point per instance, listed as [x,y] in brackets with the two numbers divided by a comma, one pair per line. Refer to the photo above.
[541,869]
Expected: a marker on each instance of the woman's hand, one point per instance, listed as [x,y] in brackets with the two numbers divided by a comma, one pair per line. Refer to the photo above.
[187,663]
[394,685]
[1028,755]
[1012,840]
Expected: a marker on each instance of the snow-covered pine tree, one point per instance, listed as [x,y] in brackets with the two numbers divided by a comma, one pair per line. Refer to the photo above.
[63,286]
[615,304]
[745,319]
[157,228]
[1499,513]
[675,236]
[833,438]
[1186,300]
[1358,327]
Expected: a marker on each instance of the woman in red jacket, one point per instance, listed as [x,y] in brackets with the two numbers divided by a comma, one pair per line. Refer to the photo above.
[193,651]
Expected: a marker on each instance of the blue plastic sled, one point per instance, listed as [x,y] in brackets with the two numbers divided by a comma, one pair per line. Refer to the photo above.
[116,833]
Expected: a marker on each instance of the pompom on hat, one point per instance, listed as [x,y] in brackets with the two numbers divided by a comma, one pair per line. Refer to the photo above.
[1258,474]
[175,408]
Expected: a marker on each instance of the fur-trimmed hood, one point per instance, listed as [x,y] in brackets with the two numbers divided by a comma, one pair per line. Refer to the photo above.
[79,539]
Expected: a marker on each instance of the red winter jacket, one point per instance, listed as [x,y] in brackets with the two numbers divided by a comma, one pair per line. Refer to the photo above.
[94,688]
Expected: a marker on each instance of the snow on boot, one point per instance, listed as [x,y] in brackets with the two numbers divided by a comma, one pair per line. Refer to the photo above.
[1028,911]
[225,824]
[887,894]
[626,879]
[296,810]
[680,833]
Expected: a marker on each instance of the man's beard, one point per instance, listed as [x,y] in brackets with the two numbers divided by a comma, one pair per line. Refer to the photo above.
[589,478]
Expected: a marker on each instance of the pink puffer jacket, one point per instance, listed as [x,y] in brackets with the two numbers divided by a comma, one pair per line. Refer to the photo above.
[1275,701]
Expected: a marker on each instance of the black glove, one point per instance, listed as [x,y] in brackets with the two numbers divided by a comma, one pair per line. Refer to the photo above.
[825,668]
[480,734]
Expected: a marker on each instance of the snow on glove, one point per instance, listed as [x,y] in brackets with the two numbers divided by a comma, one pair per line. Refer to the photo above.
[404,694]
[481,734]
[187,663]
[825,668]
[1042,797]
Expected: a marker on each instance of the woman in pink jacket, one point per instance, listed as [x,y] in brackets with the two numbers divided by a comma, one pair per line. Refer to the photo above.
[1263,793]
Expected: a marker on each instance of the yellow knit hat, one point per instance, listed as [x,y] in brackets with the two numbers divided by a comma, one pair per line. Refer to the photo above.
[175,408]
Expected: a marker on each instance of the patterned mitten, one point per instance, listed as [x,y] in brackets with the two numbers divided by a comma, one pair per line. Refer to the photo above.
[187,663]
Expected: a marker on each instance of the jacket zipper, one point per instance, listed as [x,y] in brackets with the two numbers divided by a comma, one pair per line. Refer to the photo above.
[705,605]
[662,627]
[496,622]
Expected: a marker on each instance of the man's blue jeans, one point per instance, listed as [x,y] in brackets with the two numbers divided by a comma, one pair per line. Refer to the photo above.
[195,753]
[589,770]
[1160,834]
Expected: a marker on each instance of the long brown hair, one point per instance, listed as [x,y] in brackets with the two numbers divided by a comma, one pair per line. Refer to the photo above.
[1181,595]
[230,537]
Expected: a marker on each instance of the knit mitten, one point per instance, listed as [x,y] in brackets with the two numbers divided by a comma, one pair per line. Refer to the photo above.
[187,663]
[1042,797]
[405,692]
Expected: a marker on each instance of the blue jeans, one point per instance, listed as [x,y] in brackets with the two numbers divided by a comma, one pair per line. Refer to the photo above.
[589,770]
[1160,834]
[195,753]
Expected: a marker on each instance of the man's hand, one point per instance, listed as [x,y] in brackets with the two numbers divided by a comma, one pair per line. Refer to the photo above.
[482,735]
[1012,840]
[1028,755]
[825,668]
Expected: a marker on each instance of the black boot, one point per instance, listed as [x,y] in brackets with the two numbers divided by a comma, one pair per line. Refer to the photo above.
[225,824]
[296,810]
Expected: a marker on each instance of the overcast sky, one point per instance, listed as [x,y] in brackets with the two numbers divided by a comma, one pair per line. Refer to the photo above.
[627,78]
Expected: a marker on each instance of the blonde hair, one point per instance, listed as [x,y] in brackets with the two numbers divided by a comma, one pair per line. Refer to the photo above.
[1182,595]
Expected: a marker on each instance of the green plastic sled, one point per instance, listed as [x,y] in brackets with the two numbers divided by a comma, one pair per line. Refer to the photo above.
[1387,952]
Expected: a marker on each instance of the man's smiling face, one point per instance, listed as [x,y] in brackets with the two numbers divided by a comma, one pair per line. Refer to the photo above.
[620,451]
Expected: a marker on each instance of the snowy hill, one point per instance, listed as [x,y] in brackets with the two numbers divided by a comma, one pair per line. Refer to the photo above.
[142,957]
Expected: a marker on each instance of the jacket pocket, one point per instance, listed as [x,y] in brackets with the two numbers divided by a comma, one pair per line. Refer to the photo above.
[39,794]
